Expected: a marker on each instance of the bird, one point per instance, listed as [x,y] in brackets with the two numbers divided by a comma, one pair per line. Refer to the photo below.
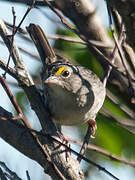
[73,94]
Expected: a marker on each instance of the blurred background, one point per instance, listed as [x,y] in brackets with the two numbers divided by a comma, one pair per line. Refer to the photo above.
[111,136]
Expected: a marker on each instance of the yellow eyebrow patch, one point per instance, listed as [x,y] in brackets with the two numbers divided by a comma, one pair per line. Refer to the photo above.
[60,70]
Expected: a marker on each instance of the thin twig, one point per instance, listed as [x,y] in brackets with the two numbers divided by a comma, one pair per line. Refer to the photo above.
[104,152]
[122,106]
[121,122]
[20,30]
[14,102]
[63,20]
[47,15]
[28,10]
[12,41]
[76,40]
[115,50]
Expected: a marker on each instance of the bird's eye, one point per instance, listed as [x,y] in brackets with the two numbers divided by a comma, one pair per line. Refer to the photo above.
[65,73]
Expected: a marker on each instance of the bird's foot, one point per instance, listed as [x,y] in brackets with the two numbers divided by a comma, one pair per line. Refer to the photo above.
[66,142]
[93,125]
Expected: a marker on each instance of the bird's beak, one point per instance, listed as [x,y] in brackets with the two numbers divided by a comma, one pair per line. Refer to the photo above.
[53,80]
